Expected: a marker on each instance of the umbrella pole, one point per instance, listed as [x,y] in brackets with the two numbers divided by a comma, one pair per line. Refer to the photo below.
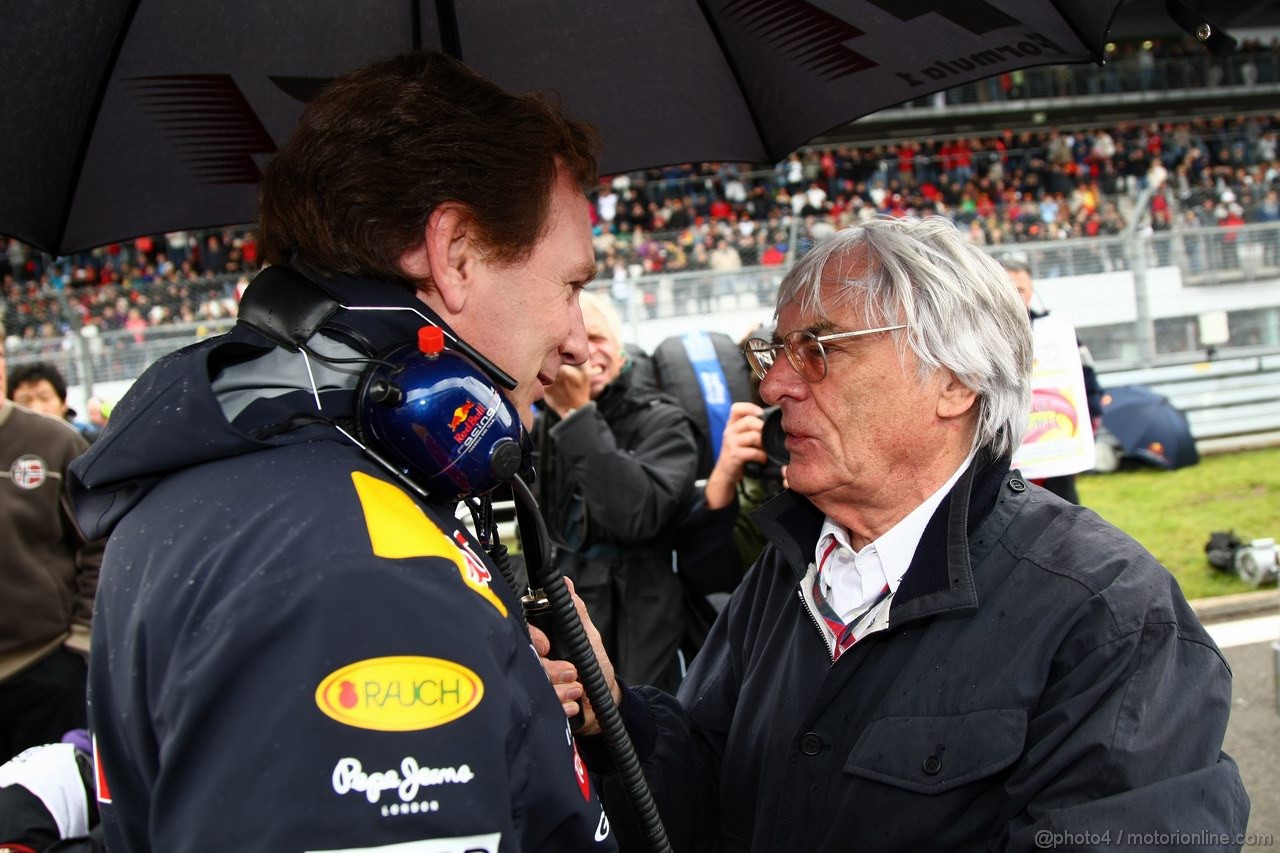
[447,21]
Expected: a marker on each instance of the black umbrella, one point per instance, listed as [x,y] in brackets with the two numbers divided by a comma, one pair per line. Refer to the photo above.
[1148,427]
[128,117]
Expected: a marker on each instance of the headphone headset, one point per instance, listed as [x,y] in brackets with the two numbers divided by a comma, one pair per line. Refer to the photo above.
[433,411]
[437,414]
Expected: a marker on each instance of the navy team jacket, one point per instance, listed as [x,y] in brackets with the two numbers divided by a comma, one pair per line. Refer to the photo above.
[291,651]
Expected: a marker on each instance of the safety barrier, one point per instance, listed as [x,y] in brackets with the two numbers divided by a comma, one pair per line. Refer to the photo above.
[1230,404]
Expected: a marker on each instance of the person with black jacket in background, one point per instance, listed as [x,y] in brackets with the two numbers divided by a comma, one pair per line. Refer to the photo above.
[617,464]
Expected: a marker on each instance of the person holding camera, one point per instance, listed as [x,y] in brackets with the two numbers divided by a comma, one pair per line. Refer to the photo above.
[741,445]
[930,654]
[616,469]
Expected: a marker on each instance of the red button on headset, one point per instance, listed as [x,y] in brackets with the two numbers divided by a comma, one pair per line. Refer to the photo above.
[431,340]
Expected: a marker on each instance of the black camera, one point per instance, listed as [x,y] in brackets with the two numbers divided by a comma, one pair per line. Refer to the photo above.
[773,438]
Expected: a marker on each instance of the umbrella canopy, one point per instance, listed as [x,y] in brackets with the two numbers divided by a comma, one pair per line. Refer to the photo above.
[1148,427]
[128,117]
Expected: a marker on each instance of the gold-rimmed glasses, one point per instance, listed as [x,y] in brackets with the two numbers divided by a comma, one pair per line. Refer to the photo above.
[804,350]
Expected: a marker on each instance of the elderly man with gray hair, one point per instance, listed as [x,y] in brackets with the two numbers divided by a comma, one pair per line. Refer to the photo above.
[931,654]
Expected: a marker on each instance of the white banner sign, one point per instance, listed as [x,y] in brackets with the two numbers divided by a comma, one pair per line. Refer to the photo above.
[1059,437]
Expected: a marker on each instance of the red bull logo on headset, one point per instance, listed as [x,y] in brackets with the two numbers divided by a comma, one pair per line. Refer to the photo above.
[465,419]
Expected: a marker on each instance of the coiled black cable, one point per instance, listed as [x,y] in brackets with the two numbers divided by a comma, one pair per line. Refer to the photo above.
[486,527]
[573,638]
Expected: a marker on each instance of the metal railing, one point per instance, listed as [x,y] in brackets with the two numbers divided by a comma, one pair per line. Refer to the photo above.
[1135,74]
[115,356]
[1229,403]
[1137,301]
[1208,291]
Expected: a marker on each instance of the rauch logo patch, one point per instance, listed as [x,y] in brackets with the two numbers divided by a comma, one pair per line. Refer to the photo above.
[399,694]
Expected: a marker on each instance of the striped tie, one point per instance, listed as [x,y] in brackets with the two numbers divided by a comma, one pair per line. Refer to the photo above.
[844,633]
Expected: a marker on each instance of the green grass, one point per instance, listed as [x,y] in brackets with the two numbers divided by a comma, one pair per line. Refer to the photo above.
[1172,513]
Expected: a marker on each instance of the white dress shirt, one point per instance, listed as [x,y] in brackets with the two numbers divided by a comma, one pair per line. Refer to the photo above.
[853,580]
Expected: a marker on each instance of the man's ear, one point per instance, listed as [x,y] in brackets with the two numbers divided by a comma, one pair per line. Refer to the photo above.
[445,261]
[954,397]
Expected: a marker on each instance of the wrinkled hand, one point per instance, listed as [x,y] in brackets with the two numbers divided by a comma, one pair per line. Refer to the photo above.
[571,390]
[563,675]
[743,442]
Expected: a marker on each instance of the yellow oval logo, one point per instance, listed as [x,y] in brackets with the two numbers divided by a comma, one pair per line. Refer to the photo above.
[399,694]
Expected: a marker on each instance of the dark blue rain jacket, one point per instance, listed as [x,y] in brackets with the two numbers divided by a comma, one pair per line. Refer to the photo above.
[292,652]
[1039,683]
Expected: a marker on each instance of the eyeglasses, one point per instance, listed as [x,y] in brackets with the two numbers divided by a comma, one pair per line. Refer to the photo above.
[804,351]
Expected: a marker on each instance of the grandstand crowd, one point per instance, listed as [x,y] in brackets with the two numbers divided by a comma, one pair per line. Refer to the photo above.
[1131,66]
[1006,187]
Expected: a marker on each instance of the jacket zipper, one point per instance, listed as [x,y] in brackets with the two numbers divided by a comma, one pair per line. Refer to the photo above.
[813,620]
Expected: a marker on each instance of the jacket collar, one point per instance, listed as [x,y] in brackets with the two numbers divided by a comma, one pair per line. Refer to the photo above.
[940,577]
[262,393]
[232,395]
[627,393]
[370,331]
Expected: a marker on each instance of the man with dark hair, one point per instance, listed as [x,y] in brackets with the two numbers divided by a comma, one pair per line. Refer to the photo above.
[49,575]
[298,647]
[40,387]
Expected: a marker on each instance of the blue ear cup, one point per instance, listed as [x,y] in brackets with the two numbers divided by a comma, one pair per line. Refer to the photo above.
[439,416]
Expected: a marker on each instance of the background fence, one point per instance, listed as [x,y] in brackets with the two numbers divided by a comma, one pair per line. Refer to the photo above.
[1138,301]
